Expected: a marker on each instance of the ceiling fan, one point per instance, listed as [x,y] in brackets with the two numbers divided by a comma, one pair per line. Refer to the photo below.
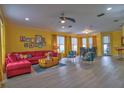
[63,19]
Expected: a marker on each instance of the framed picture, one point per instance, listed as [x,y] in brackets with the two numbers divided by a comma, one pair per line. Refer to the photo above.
[39,41]
[122,41]
[22,38]
[31,45]
[32,40]
[26,45]
[28,40]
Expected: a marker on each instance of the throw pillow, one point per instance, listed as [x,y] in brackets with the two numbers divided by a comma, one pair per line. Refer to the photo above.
[25,56]
[29,56]
[21,56]
[17,56]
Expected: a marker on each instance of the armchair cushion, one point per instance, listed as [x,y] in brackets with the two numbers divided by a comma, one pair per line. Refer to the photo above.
[71,54]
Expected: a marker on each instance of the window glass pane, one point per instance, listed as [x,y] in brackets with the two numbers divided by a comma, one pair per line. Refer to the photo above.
[62,48]
[90,42]
[75,47]
[74,44]
[61,40]
[84,46]
[60,43]
[106,39]
[84,42]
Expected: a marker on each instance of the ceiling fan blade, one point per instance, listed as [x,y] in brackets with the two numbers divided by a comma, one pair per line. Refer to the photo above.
[71,19]
[62,18]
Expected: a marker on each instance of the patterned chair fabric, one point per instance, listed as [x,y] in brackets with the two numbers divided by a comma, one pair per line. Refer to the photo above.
[90,56]
[71,54]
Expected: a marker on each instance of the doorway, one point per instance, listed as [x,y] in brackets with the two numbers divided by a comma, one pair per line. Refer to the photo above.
[106,45]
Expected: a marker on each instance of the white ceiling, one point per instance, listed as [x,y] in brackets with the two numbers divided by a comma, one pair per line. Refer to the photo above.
[85,15]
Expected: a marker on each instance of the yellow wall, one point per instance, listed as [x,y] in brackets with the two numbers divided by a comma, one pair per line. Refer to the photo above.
[99,44]
[116,41]
[2,44]
[123,30]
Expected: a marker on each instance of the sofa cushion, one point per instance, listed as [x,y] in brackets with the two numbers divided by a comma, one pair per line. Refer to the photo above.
[18,65]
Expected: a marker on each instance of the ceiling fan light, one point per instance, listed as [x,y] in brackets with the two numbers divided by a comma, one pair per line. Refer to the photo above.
[86,32]
[62,21]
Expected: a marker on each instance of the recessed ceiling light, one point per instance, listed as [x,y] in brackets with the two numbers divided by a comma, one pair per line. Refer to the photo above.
[109,8]
[27,19]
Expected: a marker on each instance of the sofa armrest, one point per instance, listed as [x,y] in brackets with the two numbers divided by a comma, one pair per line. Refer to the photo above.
[7,61]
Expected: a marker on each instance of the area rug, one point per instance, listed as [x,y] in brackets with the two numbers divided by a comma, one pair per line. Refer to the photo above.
[39,69]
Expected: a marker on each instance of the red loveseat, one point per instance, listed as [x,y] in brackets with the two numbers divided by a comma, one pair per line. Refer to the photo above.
[16,66]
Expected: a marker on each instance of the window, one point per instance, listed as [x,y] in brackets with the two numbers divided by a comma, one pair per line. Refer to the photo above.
[60,44]
[84,42]
[106,39]
[74,44]
[90,42]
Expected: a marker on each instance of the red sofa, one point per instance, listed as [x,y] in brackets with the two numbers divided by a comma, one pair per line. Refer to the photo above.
[16,66]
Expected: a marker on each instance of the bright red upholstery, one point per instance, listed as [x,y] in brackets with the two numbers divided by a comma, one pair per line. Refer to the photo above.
[36,55]
[17,68]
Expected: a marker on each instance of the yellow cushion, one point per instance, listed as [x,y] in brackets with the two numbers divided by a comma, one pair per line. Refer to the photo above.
[23,56]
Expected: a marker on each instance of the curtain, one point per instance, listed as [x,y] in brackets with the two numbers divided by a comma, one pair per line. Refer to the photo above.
[79,44]
[68,46]
[94,41]
[54,43]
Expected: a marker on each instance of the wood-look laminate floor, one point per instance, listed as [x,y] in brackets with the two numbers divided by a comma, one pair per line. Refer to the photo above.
[105,72]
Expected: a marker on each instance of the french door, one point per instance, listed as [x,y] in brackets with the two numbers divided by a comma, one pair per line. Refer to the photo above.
[106,45]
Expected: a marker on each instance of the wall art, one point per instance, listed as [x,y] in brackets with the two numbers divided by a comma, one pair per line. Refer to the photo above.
[31,42]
